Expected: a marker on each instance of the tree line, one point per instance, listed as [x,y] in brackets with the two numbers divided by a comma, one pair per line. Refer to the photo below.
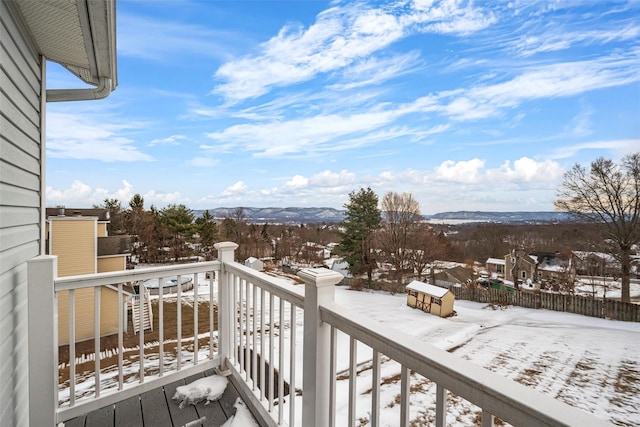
[604,201]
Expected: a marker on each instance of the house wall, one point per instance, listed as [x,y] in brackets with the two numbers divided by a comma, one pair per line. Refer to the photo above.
[20,176]
[84,313]
[112,263]
[73,240]
[102,229]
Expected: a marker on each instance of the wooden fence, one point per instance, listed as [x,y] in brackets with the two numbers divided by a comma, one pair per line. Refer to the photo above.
[586,306]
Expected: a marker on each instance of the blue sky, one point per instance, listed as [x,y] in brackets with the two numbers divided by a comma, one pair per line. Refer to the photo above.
[466,105]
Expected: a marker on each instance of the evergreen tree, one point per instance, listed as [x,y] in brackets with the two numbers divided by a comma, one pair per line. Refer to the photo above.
[362,219]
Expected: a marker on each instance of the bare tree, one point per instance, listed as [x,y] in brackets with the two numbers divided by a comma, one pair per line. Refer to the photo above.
[609,194]
[428,246]
[401,213]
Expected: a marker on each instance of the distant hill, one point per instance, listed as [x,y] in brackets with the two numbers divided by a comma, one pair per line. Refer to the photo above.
[281,215]
[293,215]
[504,217]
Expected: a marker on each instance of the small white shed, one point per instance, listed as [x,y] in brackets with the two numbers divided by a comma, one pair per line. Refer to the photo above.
[254,263]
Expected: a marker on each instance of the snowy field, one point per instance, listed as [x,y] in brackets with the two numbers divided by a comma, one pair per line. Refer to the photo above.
[592,364]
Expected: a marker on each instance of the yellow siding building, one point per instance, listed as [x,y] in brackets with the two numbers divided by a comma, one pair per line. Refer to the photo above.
[82,245]
[429,298]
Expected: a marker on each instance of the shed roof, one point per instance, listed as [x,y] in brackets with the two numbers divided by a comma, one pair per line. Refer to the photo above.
[428,289]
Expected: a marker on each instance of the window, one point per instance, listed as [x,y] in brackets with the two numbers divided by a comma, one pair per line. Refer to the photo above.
[436,300]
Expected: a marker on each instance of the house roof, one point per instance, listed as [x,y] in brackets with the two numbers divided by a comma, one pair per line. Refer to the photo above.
[428,289]
[79,35]
[497,261]
[102,214]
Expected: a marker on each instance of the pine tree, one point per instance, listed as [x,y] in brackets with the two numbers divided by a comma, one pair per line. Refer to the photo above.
[362,219]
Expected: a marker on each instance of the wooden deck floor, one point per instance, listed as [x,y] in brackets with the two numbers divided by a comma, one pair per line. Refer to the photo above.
[156,408]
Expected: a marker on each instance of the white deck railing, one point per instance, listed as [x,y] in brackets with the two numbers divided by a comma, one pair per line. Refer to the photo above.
[276,341]
[111,384]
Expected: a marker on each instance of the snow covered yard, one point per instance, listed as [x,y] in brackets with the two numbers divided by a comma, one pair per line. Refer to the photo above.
[589,363]
[592,364]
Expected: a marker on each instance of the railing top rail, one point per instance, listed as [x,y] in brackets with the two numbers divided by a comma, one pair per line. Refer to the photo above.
[109,278]
[293,295]
[500,396]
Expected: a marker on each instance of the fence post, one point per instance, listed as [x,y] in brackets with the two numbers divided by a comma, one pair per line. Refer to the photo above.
[319,289]
[225,311]
[43,340]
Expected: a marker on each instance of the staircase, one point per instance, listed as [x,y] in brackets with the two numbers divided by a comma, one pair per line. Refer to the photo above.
[147,314]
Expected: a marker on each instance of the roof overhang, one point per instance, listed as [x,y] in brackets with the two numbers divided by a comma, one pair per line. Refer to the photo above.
[80,35]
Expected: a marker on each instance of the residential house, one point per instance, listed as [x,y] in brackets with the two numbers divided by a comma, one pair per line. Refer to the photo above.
[455,276]
[495,267]
[429,298]
[552,267]
[523,264]
[591,263]
[81,243]
[81,37]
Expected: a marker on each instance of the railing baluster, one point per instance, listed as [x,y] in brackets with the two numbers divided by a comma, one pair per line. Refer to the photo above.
[161,325]
[271,367]
[333,343]
[262,338]
[375,389]
[234,311]
[292,366]
[96,337]
[487,419]
[120,338]
[254,352]
[179,325]
[405,385]
[72,347]
[281,363]
[240,349]
[141,289]
[353,372]
[441,406]
[211,318]
[195,318]
[247,332]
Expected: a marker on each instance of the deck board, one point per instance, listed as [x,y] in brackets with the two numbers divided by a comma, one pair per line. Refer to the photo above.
[156,408]
[128,412]
[102,417]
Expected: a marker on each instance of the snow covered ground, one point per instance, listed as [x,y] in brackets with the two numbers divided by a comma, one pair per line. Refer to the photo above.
[592,364]
[589,363]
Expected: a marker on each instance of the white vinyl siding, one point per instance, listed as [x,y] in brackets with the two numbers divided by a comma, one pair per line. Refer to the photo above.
[20,135]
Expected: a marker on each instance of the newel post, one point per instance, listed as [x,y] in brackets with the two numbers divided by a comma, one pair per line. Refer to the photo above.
[319,289]
[225,311]
[43,340]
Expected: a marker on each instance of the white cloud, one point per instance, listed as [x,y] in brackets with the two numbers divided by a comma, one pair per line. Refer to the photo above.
[158,198]
[341,35]
[297,182]
[461,171]
[620,147]
[554,41]
[170,140]
[238,188]
[73,136]
[81,195]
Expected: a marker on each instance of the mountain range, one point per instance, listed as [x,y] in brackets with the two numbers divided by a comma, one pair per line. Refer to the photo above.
[293,215]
